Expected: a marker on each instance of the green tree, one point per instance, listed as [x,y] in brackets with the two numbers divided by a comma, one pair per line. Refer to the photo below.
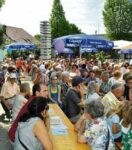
[38,37]
[2,28]
[2,2]
[117,16]
[74,29]
[59,24]
[2,33]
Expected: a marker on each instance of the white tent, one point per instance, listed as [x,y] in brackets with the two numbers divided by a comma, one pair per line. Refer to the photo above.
[121,44]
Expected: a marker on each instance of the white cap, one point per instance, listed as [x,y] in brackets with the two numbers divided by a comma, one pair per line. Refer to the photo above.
[12,75]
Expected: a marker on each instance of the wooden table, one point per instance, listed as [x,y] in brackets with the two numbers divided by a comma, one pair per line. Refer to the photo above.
[66,142]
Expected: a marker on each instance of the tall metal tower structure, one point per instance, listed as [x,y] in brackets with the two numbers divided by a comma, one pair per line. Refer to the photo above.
[45,31]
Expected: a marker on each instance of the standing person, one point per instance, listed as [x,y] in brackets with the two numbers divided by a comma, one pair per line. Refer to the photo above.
[32,131]
[8,93]
[73,98]
[55,91]
[20,99]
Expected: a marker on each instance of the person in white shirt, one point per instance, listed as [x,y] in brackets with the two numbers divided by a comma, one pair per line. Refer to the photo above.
[20,99]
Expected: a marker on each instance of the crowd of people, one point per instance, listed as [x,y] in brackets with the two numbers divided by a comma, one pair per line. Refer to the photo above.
[95,96]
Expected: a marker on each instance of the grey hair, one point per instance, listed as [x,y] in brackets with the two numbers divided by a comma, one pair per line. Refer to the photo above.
[116,86]
[65,75]
[95,108]
[92,87]
[24,87]
[106,74]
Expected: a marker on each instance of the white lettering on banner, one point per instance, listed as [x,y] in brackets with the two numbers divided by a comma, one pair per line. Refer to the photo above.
[75,41]
[95,42]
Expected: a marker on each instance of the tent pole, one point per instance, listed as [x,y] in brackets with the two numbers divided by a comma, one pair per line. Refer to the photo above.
[80,54]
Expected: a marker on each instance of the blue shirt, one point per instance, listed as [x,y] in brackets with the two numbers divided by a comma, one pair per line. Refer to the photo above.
[113,119]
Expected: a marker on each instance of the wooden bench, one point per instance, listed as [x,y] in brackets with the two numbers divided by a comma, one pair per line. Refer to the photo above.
[118,145]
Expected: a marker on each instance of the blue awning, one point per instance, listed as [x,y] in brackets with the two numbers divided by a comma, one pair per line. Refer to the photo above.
[125,51]
[65,51]
[20,46]
[78,40]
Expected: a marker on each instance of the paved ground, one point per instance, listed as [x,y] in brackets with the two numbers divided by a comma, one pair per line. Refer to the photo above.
[4,127]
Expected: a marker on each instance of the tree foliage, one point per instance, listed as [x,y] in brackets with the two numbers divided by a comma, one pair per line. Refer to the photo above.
[118,19]
[2,2]
[2,33]
[38,37]
[2,28]
[59,24]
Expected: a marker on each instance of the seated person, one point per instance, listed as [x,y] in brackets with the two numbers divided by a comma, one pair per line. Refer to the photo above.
[126,128]
[92,92]
[32,131]
[105,85]
[92,127]
[38,90]
[73,98]
[114,117]
[128,88]
[112,98]
[20,99]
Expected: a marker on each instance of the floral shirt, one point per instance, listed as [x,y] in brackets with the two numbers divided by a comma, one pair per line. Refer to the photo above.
[126,137]
[96,133]
[127,140]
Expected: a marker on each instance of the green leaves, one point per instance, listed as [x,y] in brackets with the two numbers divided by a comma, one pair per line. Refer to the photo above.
[2,2]
[2,32]
[117,16]
[60,26]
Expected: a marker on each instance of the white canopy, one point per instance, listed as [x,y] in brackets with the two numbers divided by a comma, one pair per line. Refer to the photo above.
[121,44]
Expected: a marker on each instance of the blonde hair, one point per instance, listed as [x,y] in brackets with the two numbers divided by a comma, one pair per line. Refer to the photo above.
[120,109]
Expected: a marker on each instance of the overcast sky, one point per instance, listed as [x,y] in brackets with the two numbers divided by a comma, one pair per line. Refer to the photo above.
[27,14]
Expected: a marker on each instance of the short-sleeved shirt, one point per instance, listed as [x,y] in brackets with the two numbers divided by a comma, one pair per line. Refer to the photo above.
[14,126]
[18,104]
[106,87]
[114,119]
[8,90]
[110,102]
[73,98]
[91,97]
[96,134]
